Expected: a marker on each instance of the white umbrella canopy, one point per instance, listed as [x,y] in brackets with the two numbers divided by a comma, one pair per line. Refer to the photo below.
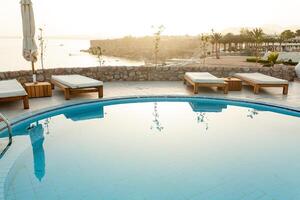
[29,45]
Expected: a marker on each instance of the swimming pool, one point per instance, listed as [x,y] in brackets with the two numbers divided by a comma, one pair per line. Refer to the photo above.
[155,148]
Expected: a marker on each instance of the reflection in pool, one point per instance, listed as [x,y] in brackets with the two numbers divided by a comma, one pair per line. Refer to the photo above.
[161,149]
[36,134]
[201,108]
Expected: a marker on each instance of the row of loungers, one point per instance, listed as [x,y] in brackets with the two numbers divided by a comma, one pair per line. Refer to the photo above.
[12,90]
[257,80]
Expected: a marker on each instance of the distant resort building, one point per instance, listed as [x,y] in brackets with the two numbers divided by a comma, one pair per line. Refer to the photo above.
[291,45]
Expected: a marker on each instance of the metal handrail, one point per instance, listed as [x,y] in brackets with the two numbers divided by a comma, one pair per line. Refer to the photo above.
[9,129]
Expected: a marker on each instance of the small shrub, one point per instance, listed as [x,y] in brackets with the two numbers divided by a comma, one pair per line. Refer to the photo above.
[247,52]
[268,65]
[290,63]
[272,58]
[259,61]
[266,62]
[251,59]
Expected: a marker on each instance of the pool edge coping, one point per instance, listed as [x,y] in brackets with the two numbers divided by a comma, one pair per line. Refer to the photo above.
[35,113]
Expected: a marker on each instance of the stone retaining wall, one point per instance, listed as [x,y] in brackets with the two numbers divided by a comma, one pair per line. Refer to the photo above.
[160,73]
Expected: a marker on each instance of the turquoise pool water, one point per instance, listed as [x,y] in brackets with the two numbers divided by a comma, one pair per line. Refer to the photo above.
[157,149]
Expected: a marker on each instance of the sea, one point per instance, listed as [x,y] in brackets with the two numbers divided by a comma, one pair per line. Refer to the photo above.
[58,53]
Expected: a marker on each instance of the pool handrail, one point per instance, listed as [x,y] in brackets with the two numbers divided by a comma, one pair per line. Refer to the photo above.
[9,129]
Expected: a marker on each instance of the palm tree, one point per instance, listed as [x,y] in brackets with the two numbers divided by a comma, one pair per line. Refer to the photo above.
[280,40]
[227,39]
[245,37]
[215,38]
[257,35]
[271,40]
[288,34]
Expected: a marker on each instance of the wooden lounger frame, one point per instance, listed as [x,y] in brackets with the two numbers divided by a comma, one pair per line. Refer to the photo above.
[69,91]
[257,86]
[17,98]
[223,86]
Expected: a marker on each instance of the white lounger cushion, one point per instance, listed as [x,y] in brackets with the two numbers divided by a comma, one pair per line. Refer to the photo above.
[203,77]
[77,81]
[260,78]
[11,88]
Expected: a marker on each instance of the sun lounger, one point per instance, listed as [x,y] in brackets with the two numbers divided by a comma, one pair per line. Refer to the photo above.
[258,80]
[72,84]
[204,79]
[12,90]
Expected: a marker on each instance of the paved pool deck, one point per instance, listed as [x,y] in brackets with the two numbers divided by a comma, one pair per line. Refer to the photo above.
[123,89]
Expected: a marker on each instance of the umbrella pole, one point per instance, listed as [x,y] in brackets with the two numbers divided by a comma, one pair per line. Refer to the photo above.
[33,72]
[32,66]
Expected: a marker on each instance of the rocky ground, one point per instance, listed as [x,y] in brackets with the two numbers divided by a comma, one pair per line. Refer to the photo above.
[224,61]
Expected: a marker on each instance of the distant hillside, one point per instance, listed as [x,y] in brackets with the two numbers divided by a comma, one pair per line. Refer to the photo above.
[143,47]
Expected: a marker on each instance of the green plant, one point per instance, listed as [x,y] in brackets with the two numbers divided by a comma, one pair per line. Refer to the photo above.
[42,51]
[157,38]
[272,58]
[99,53]
[203,46]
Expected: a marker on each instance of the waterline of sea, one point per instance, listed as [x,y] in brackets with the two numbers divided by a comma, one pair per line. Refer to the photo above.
[58,53]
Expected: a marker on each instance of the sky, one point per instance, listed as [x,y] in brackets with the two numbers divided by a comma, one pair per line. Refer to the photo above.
[115,18]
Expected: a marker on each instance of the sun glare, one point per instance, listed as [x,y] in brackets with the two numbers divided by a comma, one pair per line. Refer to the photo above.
[135,17]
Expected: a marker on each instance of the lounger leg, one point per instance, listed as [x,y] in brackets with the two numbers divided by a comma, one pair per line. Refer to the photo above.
[67,94]
[285,89]
[225,88]
[100,92]
[256,89]
[26,102]
[196,89]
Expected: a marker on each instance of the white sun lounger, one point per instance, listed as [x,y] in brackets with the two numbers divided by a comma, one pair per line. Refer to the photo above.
[258,80]
[12,90]
[72,84]
[204,79]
